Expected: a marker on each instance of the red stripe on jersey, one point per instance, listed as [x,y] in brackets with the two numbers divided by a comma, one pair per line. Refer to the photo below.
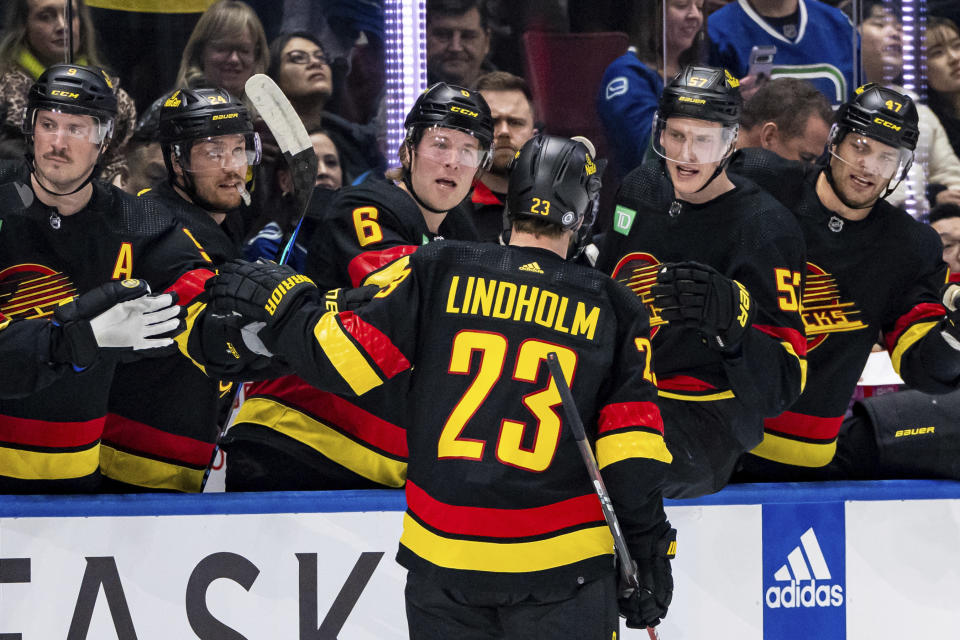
[369,261]
[131,435]
[683,383]
[924,311]
[483,195]
[375,343]
[804,426]
[190,285]
[502,523]
[342,414]
[630,414]
[796,339]
[47,433]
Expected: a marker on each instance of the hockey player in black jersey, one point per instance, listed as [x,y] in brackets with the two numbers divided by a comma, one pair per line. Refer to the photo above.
[872,271]
[718,262]
[149,442]
[503,536]
[64,234]
[289,435]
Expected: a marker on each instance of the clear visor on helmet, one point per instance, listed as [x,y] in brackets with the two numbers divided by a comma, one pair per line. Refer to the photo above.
[452,146]
[232,151]
[693,141]
[871,157]
[50,124]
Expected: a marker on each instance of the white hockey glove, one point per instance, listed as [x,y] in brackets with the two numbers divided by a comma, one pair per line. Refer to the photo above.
[118,316]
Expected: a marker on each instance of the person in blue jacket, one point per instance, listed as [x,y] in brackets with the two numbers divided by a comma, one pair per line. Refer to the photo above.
[632,84]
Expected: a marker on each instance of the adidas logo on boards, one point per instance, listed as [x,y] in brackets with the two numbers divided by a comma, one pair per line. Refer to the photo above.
[532,267]
[803,590]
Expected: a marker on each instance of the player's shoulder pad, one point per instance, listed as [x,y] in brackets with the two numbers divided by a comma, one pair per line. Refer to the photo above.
[383,195]
[131,214]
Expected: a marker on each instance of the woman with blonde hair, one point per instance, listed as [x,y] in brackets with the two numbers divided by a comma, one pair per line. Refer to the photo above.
[227,46]
[35,38]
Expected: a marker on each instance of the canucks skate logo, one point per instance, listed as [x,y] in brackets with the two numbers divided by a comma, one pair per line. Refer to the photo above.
[823,310]
[33,291]
[804,571]
[639,272]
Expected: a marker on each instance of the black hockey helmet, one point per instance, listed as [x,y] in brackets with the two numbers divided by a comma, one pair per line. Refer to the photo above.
[882,114]
[556,180]
[704,93]
[452,107]
[190,115]
[877,113]
[73,88]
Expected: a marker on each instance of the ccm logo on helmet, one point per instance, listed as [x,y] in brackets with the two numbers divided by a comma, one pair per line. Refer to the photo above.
[225,116]
[466,112]
[64,94]
[885,123]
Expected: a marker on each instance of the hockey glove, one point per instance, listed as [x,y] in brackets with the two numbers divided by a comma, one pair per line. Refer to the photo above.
[259,291]
[950,295]
[648,605]
[698,296]
[338,300]
[118,315]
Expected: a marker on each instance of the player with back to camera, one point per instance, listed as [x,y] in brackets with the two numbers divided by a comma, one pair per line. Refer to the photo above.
[718,262]
[871,270]
[503,535]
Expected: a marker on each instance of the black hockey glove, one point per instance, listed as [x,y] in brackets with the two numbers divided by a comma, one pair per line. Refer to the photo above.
[698,296]
[338,300]
[950,295]
[119,316]
[259,291]
[648,605]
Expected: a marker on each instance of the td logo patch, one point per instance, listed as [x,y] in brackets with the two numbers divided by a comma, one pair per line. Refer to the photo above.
[804,571]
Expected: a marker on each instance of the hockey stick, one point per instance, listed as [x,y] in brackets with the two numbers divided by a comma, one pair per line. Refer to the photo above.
[628,568]
[294,142]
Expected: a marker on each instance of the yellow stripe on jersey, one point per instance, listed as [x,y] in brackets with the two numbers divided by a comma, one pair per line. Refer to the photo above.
[389,273]
[631,444]
[908,339]
[203,254]
[149,473]
[323,438]
[795,452]
[723,395]
[506,557]
[803,363]
[36,465]
[153,6]
[182,339]
[4,321]
[344,355]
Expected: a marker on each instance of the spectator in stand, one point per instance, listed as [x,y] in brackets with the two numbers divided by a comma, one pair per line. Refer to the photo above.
[144,163]
[632,84]
[227,46]
[942,40]
[789,117]
[35,38]
[511,105]
[282,219]
[945,218]
[458,41]
[805,33]
[934,177]
[301,68]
